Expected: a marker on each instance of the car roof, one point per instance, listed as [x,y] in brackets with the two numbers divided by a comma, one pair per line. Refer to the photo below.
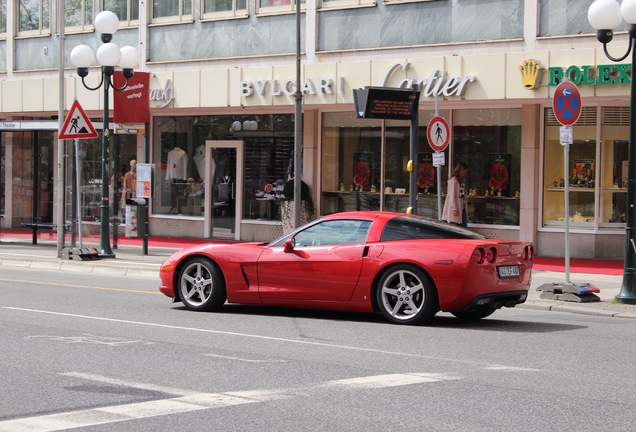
[364,214]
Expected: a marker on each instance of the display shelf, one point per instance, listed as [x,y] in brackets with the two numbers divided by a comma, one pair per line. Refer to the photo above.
[616,190]
[492,197]
[572,189]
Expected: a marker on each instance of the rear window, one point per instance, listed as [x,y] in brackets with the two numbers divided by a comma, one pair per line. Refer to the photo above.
[409,228]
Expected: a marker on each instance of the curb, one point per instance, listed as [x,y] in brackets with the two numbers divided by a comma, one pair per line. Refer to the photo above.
[139,270]
[549,305]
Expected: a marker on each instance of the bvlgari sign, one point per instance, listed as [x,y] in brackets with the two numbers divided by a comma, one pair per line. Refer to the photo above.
[438,83]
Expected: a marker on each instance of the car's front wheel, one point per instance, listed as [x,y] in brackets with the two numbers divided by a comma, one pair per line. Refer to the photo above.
[406,295]
[201,285]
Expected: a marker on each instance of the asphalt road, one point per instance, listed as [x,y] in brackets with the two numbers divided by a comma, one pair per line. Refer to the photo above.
[111,353]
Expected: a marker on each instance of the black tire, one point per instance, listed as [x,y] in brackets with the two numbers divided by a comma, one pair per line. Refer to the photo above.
[474,314]
[406,295]
[201,285]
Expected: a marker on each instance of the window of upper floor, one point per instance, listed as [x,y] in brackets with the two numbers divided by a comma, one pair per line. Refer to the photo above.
[126,10]
[3,19]
[219,9]
[171,11]
[348,4]
[78,15]
[33,17]
[405,1]
[271,7]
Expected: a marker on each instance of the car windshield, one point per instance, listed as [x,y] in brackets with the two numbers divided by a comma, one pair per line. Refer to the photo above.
[411,227]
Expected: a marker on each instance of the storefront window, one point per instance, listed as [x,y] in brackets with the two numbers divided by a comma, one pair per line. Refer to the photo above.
[3,163]
[489,142]
[179,153]
[614,148]
[352,160]
[31,177]
[122,156]
[581,172]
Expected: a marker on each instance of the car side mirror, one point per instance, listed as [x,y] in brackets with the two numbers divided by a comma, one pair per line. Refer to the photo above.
[290,243]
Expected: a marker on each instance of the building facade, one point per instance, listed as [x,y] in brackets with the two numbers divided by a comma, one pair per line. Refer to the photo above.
[221,133]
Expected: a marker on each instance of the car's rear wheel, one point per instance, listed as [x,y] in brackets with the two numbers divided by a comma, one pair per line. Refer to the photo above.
[201,285]
[406,295]
[475,314]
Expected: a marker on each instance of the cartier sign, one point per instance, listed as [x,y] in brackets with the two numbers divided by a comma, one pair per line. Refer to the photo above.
[437,83]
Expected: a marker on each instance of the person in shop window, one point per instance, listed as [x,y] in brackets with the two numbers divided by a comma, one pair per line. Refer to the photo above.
[129,183]
[455,207]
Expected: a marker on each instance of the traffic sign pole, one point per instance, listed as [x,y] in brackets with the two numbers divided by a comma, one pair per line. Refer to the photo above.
[438,130]
[567,106]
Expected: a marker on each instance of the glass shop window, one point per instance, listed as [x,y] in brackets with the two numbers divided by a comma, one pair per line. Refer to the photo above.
[581,173]
[179,149]
[489,142]
[613,174]
[352,161]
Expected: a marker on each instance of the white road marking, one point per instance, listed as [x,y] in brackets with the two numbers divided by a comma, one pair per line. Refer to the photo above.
[199,401]
[91,339]
[512,368]
[254,336]
[245,359]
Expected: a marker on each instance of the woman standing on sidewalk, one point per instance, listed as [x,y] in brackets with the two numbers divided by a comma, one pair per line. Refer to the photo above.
[455,207]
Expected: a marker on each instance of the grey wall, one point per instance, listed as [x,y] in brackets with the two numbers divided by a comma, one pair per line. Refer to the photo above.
[388,25]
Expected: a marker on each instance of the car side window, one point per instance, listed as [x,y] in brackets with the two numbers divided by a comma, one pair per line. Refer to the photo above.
[409,228]
[333,232]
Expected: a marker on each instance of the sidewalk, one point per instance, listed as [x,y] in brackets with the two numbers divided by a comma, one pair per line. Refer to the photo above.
[17,251]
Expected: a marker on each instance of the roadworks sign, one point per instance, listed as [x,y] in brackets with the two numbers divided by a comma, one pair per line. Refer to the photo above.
[77,124]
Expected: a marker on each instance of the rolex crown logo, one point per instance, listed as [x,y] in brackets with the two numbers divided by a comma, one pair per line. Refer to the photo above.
[530,74]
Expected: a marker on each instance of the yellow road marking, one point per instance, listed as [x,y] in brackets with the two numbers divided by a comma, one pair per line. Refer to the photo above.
[80,286]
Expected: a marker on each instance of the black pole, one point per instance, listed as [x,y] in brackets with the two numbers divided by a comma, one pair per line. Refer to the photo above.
[116,188]
[104,234]
[627,293]
[74,192]
[35,179]
[413,157]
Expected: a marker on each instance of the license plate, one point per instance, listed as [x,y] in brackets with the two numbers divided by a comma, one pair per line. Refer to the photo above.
[508,271]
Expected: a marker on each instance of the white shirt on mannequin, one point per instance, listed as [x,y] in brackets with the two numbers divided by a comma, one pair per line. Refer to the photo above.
[177,164]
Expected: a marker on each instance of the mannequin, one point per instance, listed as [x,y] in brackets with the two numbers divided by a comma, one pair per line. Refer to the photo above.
[199,160]
[129,183]
[177,164]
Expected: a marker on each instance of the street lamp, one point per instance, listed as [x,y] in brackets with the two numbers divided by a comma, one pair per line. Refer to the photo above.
[109,55]
[605,16]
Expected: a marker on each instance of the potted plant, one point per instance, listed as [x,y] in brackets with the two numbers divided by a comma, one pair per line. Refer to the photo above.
[286,205]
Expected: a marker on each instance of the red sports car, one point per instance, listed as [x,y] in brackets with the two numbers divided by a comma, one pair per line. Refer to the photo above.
[405,266]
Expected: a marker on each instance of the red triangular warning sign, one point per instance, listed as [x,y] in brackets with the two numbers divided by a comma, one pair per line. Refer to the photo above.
[77,125]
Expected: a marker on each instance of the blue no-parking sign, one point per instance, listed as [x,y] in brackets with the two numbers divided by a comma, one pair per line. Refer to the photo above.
[567,103]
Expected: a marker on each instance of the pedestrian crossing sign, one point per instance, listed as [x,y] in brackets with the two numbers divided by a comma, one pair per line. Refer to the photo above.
[77,124]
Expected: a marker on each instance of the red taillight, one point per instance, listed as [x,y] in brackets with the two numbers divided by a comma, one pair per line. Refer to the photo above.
[491,255]
[478,255]
[528,253]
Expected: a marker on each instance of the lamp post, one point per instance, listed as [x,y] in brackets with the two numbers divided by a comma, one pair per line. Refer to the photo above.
[605,16]
[108,55]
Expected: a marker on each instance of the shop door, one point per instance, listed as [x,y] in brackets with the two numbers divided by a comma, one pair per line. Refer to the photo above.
[223,189]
